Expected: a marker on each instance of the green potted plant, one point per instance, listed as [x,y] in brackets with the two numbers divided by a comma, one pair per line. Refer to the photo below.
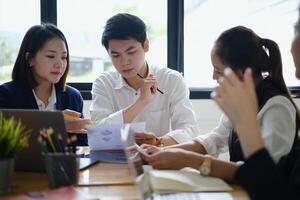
[13,137]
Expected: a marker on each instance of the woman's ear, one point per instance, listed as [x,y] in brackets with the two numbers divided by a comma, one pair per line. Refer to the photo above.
[28,59]
[146,45]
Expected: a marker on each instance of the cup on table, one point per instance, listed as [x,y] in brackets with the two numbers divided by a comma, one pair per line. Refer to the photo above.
[62,169]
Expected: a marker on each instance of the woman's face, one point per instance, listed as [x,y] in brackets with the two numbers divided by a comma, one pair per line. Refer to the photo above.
[50,62]
[295,50]
[217,65]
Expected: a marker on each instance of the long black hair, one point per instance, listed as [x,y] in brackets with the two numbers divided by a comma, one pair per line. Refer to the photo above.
[240,48]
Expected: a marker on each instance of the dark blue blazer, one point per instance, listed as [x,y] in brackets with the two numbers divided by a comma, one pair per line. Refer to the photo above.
[15,96]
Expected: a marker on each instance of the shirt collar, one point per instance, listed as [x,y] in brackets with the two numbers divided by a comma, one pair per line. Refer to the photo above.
[51,100]
[120,82]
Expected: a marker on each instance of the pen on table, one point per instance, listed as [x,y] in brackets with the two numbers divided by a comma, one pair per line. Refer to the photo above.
[144,78]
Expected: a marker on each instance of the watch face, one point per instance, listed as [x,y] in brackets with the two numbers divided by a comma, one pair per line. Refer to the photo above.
[205,170]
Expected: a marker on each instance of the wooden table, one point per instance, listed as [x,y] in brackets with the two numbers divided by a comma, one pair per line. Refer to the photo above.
[98,181]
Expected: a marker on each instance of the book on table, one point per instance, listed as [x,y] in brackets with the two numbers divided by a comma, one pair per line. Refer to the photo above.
[170,181]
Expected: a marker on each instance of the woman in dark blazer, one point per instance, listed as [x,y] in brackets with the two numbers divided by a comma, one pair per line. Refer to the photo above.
[39,78]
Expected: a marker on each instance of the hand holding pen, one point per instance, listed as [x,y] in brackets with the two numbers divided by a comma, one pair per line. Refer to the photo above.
[148,89]
[139,75]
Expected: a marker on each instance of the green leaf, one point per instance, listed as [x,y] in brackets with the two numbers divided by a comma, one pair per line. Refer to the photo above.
[13,136]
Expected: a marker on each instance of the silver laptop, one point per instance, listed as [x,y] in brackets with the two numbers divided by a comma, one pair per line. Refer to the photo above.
[137,168]
[30,158]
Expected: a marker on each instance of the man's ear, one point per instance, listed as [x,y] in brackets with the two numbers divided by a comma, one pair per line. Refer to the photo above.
[146,45]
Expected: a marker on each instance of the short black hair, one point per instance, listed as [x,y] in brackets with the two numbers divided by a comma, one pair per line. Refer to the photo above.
[124,26]
[34,39]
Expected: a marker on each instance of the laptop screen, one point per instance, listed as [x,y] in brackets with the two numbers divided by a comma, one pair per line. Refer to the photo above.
[30,158]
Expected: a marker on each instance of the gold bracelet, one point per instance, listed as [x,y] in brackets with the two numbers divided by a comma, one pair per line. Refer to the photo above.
[162,144]
[159,142]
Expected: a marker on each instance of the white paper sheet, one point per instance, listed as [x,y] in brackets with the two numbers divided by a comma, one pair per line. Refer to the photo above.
[108,136]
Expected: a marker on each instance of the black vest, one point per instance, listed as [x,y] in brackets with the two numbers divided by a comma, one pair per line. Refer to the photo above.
[265,90]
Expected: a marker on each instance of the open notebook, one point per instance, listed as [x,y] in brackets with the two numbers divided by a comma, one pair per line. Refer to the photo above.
[170,181]
[158,182]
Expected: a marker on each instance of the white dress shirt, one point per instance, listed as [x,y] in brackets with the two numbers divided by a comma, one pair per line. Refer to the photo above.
[170,113]
[277,120]
[51,106]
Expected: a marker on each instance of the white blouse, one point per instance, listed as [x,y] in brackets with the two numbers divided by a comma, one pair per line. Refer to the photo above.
[277,120]
[51,101]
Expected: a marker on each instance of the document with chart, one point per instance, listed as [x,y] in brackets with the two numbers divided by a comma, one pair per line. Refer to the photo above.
[108,136]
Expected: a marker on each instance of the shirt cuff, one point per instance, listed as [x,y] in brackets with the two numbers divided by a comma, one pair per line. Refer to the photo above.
[180,135]
[208,145]
[114,118]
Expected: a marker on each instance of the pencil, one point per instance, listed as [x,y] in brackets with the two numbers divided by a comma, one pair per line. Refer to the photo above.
[49,133]
[43,145]
[60,144]
[144,78]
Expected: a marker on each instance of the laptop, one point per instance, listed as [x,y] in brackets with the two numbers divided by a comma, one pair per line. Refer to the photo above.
[30,158]
[137,168]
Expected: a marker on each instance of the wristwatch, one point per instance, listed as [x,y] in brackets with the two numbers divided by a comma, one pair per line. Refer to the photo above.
[205,168]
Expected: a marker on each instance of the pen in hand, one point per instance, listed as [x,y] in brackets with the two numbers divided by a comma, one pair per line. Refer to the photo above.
[143,78]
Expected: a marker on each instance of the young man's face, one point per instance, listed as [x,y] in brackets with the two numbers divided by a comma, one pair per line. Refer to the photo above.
[127,56]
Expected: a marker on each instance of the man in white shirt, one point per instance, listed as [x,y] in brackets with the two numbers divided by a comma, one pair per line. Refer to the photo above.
[139,92]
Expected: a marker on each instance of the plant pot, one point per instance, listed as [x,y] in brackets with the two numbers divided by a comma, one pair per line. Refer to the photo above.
[6,172]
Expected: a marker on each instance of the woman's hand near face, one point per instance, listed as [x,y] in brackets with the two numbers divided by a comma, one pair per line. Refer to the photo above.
[75,124]
[238,100]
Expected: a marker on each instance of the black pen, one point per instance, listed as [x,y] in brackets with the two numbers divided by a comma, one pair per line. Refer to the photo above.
[144,78]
